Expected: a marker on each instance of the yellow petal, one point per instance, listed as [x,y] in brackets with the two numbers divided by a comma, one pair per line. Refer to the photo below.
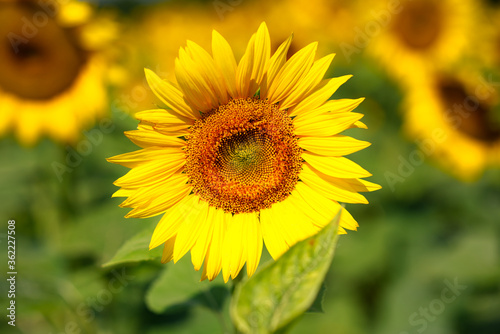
[311,80]
[224,59]
[168,250]
[73,13]
[200,247]
[152,171]
[169,130]
[254,243]
[233,247]
[325,125]
[319,219]
[28,127]
[362,185]
[170,95]
[194,219]
[149,192]
[164,195]
[139,157]
[359,125]
[274,66]
[171,221]
[272,235]
[283,225]
[163,116]
[244,70]
[213,260]
[262,52]
[335,166]
[293,223]
[208,69]
[123,192]
[324,91]
[332,106]
[145,137]
[324,207]
[239,244]
[337,145]
[291,73]
[204,271]
[197,90]
[330,190]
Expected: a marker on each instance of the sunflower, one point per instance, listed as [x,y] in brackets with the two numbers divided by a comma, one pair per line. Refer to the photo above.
[180,22]
[496,39]
[51,78]
[188,22]
[419,35]
[488,50]
[456,120]
[245,154]
[334,21]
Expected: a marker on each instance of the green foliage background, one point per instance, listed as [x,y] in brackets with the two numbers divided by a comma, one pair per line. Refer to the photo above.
[430,230]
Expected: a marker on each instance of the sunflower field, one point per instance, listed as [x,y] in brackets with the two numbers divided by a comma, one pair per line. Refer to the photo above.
[198,166]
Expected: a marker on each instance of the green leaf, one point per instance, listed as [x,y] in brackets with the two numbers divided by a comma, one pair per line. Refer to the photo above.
[285,289]
[136,249]
[317,305]
[179,285]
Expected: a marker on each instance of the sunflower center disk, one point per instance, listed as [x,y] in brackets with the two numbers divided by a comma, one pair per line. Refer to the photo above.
[419,24]
[243,156]
[470,116]
[37,62]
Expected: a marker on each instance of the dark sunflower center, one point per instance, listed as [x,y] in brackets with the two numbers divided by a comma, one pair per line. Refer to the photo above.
[243,156]
[469,115]
[38,59]
[419,23]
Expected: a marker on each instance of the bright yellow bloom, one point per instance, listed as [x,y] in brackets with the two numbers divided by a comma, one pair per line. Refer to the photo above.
[411,37]
[181,22]
[455,118]
[51,77]
[246,153]
[487,49]
[496,39]
[334,21]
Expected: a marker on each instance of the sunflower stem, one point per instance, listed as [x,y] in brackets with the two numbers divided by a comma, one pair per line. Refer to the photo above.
[236,282]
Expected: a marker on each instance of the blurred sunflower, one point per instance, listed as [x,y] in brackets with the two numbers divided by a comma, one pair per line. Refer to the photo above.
[181,22]
[51,77]
[456,118]
[333,21]
[496,50]
[247,152]
[496,38]
[420,35]
[488,50]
